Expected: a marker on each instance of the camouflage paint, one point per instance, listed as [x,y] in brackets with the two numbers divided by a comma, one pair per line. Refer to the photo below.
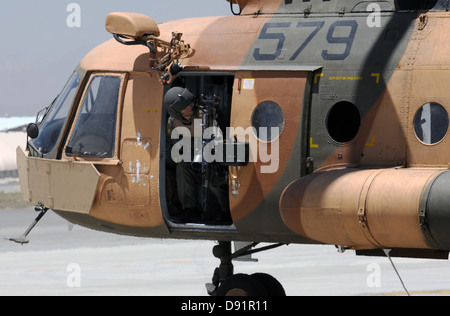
[306,56]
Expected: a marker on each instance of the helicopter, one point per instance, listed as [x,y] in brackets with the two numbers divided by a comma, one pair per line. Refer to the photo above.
[329,127]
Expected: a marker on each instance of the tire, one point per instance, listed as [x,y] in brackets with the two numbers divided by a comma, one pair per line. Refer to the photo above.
[273,287]
[241,285]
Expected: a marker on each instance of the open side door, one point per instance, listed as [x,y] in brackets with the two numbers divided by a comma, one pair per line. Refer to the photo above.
[271,110]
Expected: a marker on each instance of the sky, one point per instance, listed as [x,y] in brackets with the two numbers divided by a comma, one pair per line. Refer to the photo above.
[44,40]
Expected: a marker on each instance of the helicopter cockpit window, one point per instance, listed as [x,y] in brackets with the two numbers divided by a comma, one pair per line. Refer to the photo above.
[53,121]
[95,129]
[431,123]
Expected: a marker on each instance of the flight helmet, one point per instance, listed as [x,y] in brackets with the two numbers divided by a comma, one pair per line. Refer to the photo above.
[176,100]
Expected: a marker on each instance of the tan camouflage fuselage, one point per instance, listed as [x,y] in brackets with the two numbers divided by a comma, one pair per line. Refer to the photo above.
[356,165]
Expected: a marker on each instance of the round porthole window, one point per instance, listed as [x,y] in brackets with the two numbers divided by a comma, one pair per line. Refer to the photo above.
[431,123]
[268,121]
[343,122]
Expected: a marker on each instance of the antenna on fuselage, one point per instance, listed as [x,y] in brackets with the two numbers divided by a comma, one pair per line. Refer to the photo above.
[387,252]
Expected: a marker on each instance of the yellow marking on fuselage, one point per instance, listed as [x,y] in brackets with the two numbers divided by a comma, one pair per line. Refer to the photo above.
[343,78]
[316,77]
[372,144]
[376,75]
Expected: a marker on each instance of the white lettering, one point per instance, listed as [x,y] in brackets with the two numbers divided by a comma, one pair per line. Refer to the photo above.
[193,306]
[213,148]
[74,278]
[374,19]
[74,18]
[181,151]
[213,151]
[247,135]
[273,157]
[374,278]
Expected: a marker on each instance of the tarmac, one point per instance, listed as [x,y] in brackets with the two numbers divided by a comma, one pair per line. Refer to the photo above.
[62,260]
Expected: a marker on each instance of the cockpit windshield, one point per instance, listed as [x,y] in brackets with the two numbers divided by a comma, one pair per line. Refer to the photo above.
[52,124]
[95,126]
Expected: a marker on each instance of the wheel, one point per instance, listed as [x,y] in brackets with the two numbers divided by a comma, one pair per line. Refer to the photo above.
[272,286]
[241,285]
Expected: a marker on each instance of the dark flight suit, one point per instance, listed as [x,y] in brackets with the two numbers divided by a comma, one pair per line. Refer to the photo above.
[188,177]
[189,182]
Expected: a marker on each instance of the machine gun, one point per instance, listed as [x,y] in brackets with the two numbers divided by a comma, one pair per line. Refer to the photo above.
[208,104]
[214,169]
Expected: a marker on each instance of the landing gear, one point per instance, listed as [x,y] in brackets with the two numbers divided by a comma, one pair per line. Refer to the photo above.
[23,239]
[242,285]
[226,283]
